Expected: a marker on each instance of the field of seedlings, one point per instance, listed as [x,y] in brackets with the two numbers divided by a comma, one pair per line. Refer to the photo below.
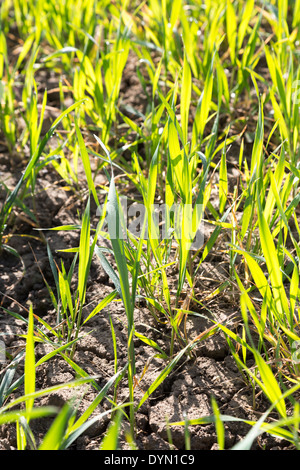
[149,225]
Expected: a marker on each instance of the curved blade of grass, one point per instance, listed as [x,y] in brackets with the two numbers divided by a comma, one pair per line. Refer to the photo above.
[107,300]
[278,177]
[46,391]
[151,343]
[166,371]
[116,238]
[5,383]
[55,435]
[274,428]
[56,351]
[88,412]
[40,412]
[259,324]
[248,9]
[108,268]
[79,371]
[261,282]
[255,431]
[86,425]
[202,111]
[270,384]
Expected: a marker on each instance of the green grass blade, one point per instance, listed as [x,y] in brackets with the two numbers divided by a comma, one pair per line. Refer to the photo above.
[14,416]
[107,300]
[46,391]
[108,268]
[111,439]
[186,89]
[84,253]
[219,424]
[270,254]
[231,29]
[223,183]
[54,437]
[29,368]
[248,10]
[117,241]
[271,387]
[86,164]
[162,376]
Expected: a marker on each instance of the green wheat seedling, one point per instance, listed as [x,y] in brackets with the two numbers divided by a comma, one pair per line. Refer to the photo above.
[71,428]
[69,304]
[120,247]
[286,426]
[57,23]
[7,96]
[111,439]
[286,110]
[114,216]
[99,81]
[8,205]
[180,187]
[279,311]
[65,428]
